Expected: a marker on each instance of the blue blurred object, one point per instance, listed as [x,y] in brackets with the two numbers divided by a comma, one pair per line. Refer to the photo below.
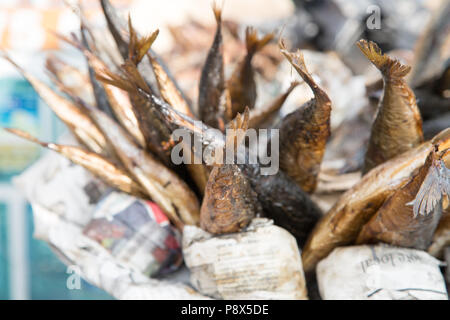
[28,267]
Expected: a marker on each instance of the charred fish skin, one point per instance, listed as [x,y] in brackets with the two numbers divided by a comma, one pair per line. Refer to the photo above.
[284,201]
[398,125]
[229,203]
[212,82]
[304,132]
[343,222]
[242,83]
[396,222]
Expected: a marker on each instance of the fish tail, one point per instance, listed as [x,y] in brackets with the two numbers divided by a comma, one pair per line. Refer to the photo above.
[297,60]
[108,77]
[134,76]
[389,67]
[138,48]
[253,43]
[237,128]
[217,10]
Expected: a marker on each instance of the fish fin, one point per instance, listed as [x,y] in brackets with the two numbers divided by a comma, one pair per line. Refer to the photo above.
[389,67]
[435,185]
[108,77]
[253,43]
[217,10]
[138,48]
[134,76]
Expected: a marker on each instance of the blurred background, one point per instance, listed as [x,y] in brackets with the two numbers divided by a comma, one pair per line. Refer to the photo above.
[28,267]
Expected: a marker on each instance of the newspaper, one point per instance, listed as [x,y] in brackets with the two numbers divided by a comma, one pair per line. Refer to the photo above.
[65,199]
[262,262]
[380,272]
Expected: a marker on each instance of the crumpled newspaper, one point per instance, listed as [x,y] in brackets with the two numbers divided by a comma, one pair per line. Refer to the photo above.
[380,272]
[261,262]
[63,197]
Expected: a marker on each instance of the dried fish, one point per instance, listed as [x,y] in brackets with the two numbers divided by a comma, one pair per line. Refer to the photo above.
[168,89]
[281,198]
[398,124]
[242,84]
[342,224]
[99,91]
[76,119]
[304,132]
[400,224]
[229,203]
[117,27]
[155,132]
[119,100]
[75,82]
[170,192]
[99,166]
[212,83]
[435,185]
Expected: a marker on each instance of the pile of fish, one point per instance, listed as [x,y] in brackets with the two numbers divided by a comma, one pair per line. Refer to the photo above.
[124,112]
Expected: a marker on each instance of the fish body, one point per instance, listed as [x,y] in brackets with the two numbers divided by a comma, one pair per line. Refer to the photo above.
[119,100]
[229,203]
[242,83]
[76,82]
[153,129]
[76,119]
[212,83]
[343,222]
[281,198]
[164,187]
[168,89]
[397,127]
[304,132]
[397,222]
[99,166]
[101,99]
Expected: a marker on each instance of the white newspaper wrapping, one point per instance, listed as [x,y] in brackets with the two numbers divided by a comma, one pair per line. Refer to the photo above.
[263,262]
[380,272]
[61,208]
